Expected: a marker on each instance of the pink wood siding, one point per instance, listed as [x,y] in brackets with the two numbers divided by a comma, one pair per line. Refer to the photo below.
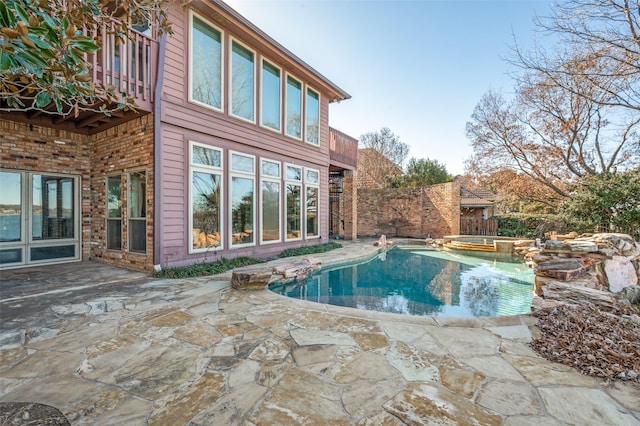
[182,121]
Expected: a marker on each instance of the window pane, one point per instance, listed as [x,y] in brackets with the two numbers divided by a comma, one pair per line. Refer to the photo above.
[270,211]
[294,199]
[206,58]
[241,163]
[205,190]
[137,194]
[114,196]
[55,252]
[11,203]
[53,209]
[137,235]
[269,168]
[294,108]
[294,173]
[312,133]
[242,82]
[270,109]
[114,234]
[241,210]
[312,211]
[312,176]
[206,156]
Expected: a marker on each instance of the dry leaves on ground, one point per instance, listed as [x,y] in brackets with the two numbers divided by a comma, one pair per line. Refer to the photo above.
[601,344]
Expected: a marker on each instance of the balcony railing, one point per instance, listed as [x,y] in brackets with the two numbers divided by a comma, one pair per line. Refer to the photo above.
[343,150]
[130,65]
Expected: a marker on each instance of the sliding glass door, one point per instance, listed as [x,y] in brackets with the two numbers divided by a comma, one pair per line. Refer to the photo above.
[39,218]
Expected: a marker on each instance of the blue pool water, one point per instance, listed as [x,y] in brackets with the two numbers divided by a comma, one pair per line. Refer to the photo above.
[414,281]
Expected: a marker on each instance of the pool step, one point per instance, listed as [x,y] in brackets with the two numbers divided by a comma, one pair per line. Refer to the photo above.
[459,245]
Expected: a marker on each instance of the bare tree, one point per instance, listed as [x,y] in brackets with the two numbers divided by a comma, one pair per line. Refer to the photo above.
[386,143]
[604,35]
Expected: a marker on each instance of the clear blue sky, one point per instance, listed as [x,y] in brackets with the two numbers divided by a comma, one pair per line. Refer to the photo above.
[417,67]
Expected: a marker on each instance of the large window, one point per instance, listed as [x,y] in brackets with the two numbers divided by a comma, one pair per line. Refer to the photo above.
[294,108]
[293,183]
[242,195]
[270,99]
[137,203]
[312,180]
[312,130]
[270,205]
[53,209]
[206,197]
[205,64]
[242,82]
[114,213]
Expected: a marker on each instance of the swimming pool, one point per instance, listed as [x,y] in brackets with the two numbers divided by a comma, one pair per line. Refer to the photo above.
[412,280]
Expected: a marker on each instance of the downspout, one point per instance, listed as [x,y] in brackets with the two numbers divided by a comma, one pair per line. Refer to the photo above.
[157,160]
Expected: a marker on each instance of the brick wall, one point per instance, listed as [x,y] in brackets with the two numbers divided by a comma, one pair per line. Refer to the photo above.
[349,205]
[116,152]
[411,212]
[32,148]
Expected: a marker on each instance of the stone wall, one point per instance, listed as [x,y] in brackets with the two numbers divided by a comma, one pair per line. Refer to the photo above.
[432,211]
[598,269]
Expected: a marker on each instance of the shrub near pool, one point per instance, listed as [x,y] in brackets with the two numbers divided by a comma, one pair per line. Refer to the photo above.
[301,251]
[208,268]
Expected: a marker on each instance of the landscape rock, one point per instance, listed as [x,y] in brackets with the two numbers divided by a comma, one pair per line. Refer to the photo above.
[620,273]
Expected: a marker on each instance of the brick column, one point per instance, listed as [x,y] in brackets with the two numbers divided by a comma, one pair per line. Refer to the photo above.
[350,203]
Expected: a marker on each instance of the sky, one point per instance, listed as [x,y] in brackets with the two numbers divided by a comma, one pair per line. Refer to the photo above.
[417,67]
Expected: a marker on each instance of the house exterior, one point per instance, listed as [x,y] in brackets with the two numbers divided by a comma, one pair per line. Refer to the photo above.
[228,154]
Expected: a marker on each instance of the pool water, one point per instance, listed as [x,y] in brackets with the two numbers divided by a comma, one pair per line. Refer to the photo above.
[415,281]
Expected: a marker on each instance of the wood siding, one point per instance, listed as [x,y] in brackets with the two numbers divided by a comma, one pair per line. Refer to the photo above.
[183,121]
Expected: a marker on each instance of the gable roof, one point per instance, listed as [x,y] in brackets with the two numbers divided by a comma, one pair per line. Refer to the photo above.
[476,197]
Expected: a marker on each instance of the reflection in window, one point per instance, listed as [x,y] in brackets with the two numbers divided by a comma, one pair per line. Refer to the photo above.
[206,217]
[294,173]
[11,202]
[206,156]
[205,65]
[241,210]
[137,202]
[53,209]
[114,213]
[242,82]
[270,202]
[270,108]
[294,108]
[294,211]
[312,211]
[312,112]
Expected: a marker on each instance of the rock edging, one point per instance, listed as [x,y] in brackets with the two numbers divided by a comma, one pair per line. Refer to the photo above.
[258,277]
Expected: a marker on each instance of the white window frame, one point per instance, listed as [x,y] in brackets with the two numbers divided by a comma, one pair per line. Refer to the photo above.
[233,40]
[286,105]
[211,170]
[280,99]
[306,111]
[315,185]
[278,180]
[128,215]
[242,174]
[300,183]
[193,14]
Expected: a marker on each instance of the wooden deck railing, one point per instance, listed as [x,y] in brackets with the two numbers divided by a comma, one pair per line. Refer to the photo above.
[129,65]
[343,149]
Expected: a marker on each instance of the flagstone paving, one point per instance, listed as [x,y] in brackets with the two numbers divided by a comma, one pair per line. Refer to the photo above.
[106,348]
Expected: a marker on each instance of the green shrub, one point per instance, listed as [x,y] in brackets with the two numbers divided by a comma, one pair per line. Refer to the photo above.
[207,268]
[529,225]
[301,251]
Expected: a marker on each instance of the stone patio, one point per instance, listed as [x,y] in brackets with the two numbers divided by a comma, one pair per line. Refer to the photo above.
[112,347]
